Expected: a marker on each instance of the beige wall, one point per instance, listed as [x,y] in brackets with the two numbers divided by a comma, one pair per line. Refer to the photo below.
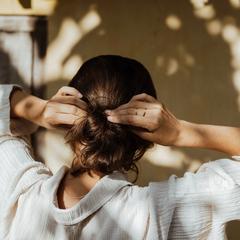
[192,52]
[188,50]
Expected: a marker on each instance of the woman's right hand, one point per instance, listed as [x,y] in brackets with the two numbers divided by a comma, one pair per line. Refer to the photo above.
[64,108]
[157,125]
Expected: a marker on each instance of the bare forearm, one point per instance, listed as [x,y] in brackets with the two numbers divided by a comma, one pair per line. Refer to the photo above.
[220,138]
[26,106]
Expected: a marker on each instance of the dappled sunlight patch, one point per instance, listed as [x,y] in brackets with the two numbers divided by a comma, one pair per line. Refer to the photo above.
[236,83]
[189,60]
[168,157]
[202,9]
[230,33]
[194,165]
[70,33]
[90,21]
[68,36]
[185,56]
[214,27]
[53,149]
[198,3]
[236,80]
[102,32]
[173,22]
[206,12]
[235,3]
[235,49]
[71,66]
[172,67]
[160,61]
[228,30]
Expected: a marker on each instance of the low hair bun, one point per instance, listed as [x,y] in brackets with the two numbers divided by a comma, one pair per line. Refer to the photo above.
[103,143]
[107,82]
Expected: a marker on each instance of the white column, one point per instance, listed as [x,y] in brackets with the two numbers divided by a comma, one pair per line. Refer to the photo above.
[23,42]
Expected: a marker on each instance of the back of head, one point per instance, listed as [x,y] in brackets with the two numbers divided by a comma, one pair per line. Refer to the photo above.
[106,82]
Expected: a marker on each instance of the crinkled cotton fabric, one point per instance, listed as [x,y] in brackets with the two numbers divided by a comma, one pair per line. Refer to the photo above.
[195,206]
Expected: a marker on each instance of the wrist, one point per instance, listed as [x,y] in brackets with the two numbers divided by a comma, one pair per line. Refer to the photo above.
[34,113]
[26,106]
[188,135]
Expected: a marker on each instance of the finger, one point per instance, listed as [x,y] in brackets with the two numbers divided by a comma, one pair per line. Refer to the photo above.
[62,118]
[71,100]
[134,120]
[138,104]
[144,97]
[63,91]
[129,111]
[68,109]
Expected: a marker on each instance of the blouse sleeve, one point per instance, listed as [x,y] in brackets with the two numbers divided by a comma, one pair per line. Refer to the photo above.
[210,194]
[18,170]
[216,184]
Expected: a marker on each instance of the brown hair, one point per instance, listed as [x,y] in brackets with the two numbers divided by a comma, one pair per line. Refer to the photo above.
[106,82]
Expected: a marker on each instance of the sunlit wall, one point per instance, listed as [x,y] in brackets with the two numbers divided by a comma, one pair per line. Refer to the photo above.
[191,49]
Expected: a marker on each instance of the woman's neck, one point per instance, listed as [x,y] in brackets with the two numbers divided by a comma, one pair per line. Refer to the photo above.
[83,183]
[72,189]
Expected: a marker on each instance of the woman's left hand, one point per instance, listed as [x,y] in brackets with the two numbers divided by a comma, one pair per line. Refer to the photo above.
[151,119]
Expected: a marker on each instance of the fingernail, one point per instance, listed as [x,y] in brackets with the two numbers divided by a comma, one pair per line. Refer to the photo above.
[109,118]
[80,95]
[107,111]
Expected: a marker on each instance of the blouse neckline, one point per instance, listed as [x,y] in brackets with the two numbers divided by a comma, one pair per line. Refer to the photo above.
[102,192]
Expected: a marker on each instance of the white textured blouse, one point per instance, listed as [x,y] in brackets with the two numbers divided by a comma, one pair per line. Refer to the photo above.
[195,206]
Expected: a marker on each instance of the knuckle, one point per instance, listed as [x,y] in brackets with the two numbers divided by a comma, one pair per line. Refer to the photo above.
[159,112]
[157,120]
[163,106]
[133,97]
[130,120]
[47,117]
[50,102]
[70,100]
[151,128]
[48,114]
[76,101]
[160,106]
[74,110]
[62,89]
[129,111]
[153,125]
[66,88]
